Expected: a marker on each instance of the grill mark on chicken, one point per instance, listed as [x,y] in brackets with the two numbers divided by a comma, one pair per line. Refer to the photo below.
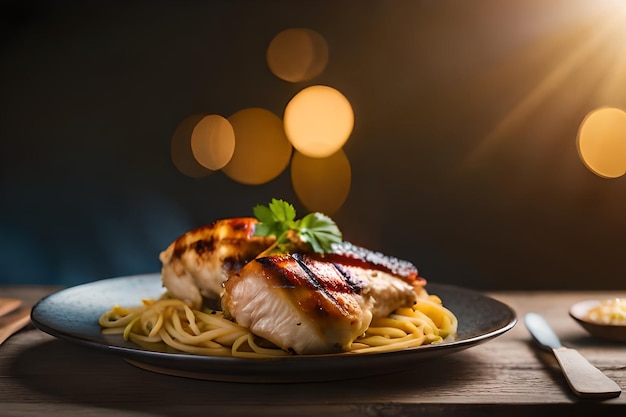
[317,284]
[203,246]
[355,285]
[280,274]
[321,289]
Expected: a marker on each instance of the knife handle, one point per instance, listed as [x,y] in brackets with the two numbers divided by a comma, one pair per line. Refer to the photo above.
[13,323]
[584,379]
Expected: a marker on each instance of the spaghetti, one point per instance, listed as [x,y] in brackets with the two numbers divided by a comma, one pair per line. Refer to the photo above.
[170,325]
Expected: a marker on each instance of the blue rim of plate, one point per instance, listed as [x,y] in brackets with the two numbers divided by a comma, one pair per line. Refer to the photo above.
[72,314]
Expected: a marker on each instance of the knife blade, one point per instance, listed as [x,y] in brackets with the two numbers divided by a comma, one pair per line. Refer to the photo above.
[583,378]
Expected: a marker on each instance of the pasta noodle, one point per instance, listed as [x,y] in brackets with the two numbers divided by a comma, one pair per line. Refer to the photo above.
[169,325]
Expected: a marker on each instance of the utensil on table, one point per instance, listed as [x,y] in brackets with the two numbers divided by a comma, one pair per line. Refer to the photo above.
[584,379]
[9,304]
[11,323]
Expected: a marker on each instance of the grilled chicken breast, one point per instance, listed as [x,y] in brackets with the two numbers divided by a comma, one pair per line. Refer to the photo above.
[308,304]
[195,266]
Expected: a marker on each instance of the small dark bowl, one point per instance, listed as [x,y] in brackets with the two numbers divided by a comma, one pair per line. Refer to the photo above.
[605,331]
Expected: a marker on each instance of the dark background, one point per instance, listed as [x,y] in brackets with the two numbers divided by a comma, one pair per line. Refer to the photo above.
[463,154]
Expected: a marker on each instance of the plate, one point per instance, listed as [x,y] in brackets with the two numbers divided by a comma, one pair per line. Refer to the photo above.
[72,314]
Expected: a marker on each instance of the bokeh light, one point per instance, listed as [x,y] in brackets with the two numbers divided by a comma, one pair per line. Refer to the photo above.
[181,152]
[213,141]
[296,55]
[602,142]
[318,121]
[262,150]
[321,184]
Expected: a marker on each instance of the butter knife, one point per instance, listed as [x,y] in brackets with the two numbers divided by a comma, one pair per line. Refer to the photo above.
[584,379]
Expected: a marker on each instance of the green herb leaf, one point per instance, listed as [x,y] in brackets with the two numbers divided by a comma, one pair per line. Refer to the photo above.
[279,219]
[274,219]
[263,214]
[282,211]
[320,231]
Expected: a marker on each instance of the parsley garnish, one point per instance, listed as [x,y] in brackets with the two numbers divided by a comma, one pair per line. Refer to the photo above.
[279,219]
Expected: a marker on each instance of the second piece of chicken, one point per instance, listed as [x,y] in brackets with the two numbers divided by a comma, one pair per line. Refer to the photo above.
[195,265]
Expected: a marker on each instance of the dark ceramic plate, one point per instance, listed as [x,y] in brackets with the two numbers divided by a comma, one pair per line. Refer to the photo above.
[72,314]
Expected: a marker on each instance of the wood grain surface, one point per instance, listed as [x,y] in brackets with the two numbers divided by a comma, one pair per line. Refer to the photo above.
[509,375]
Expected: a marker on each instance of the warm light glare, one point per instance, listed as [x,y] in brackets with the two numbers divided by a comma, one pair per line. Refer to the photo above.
[296,55]
[213,142]
[578,58]
[262,150]
[321,184]
[318,121]
[618,6]
[602,142]
[182,154]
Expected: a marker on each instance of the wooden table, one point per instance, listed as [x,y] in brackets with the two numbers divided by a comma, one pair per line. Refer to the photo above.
[509,376]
